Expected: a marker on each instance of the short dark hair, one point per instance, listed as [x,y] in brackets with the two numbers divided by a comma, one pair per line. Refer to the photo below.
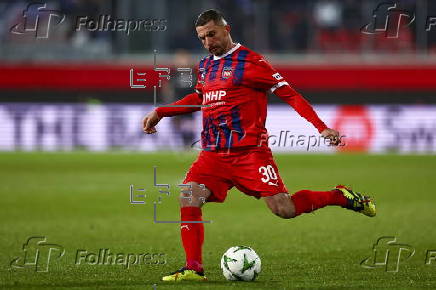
[216,16]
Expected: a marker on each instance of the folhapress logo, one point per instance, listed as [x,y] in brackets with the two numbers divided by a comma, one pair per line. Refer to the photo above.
[106,257]
[38,254]
[388,19]
[38,20]
[388,254]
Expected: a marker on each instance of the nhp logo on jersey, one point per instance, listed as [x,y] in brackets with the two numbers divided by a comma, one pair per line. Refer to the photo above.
[38,254]
[214,95]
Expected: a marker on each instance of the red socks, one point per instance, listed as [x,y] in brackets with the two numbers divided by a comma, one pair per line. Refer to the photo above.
[193,233]
[192,237]
[307,200]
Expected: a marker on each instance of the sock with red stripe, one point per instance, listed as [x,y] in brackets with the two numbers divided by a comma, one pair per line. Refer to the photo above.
[192,237]
[307,200]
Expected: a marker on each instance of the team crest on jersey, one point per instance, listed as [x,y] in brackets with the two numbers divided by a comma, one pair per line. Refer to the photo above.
[227,72]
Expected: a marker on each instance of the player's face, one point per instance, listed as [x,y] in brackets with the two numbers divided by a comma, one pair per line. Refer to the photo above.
[215,38]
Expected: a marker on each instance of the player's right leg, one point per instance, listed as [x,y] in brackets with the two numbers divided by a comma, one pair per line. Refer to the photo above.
[192,232]
[211,170]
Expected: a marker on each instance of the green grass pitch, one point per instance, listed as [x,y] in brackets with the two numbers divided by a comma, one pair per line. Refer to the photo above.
[80,201]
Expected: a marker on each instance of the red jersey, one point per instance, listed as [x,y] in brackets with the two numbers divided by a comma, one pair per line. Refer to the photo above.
[233,91]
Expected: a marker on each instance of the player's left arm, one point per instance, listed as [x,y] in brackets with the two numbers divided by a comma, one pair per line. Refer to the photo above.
[264,76]
[305,110]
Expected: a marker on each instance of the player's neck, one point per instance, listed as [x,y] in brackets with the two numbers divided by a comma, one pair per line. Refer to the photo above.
[230,46]
[227,50]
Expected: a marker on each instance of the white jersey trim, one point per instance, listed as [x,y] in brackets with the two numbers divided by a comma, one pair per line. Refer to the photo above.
[238,45]
[278,85]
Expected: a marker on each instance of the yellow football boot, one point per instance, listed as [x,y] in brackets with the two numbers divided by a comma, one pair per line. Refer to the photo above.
[358,202]
[185,275]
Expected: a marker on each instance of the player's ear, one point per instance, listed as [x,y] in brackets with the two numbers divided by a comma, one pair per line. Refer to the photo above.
[227,27]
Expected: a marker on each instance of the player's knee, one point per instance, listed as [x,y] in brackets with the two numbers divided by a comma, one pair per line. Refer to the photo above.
[194,196]
[285,213]
[281,206]
[189,200]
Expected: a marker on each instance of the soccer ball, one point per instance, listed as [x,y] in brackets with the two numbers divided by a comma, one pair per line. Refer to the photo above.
[240,263]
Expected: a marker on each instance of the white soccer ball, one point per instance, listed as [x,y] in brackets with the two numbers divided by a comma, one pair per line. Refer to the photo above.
[240,263]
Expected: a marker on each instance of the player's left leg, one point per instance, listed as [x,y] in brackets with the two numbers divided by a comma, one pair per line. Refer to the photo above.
[281,205]
[264,181]
[305,201]
[286,206]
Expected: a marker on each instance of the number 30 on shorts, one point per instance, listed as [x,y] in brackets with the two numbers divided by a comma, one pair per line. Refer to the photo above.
[268,173]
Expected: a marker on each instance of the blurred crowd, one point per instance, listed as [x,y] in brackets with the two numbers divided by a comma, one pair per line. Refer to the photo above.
[329,25]
[283,26]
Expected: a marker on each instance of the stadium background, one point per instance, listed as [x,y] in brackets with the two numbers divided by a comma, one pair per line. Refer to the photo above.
[80,96]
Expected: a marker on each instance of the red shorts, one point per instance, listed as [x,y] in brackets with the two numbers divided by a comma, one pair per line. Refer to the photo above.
[253,171]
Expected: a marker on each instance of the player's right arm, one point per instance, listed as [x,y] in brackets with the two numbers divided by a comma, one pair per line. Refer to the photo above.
[151,119]
[190,103]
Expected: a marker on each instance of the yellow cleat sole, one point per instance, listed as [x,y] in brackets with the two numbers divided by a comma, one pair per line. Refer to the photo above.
[187,275]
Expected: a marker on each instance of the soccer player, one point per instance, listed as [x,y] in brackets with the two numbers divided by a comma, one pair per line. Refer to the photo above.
[232,85]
